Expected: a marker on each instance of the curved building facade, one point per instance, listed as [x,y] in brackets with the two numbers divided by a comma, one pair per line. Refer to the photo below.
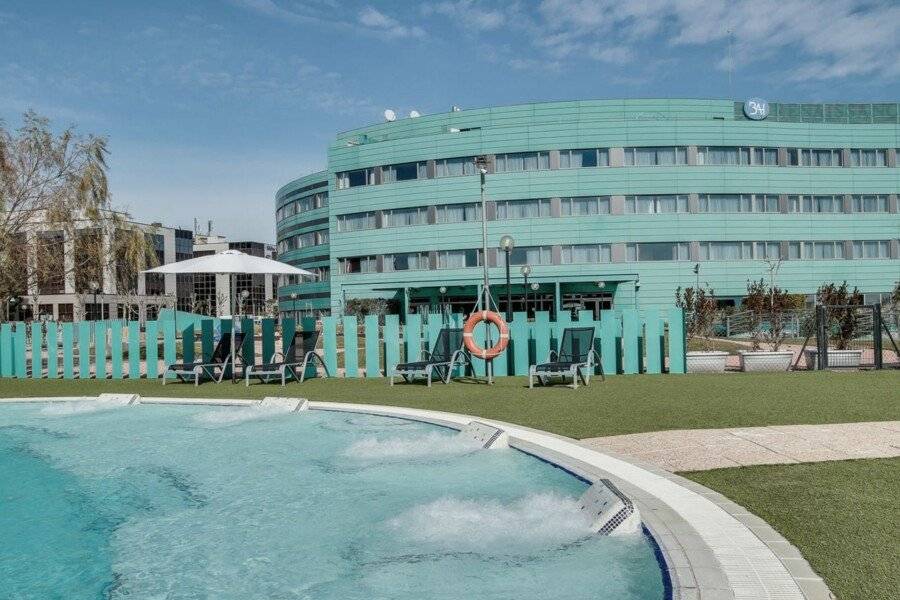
[609,202]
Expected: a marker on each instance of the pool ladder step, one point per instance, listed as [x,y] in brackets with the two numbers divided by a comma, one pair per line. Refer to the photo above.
[123,399]
[488,436]
[610,510]
[288,404]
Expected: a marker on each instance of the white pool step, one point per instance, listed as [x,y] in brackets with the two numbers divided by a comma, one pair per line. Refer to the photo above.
[287,404]
[122,399]
[488,436]
[611,512]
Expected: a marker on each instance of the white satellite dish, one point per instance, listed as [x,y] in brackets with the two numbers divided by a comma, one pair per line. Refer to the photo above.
[414,113]
[390,115]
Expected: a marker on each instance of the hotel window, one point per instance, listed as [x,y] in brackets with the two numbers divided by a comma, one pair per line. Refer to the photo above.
[407,261]
[401,217]
[735,203]
[312,238]
[356,221]
[815,157]
[349,179]
[522,161]
[458,213]
[865,157]
[531,255]
[311,202]
[321,273]
[737,155]
[403,172]
[871,249]
[869,204]
[458,259]
[655,156]
[454,167]
[585,253]
[816,250]
[816,204]
[591,157]
[584,206]
[656,251]
[740,250]
[523,209]
[359,264]
[649,205]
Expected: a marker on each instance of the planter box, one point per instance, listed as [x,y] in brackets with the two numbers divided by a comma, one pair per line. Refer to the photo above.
[836,358]
[706,362]
[752,362]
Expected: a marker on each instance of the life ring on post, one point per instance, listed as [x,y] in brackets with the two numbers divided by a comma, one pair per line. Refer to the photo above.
[469,339]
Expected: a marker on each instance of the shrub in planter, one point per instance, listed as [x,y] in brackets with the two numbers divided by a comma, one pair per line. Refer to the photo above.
[840,311]
[767,304]
[701,307]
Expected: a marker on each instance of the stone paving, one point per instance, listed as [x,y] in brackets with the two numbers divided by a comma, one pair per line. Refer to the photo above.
[701,449]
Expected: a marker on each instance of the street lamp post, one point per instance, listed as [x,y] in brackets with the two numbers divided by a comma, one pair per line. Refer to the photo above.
[244,295]
[526,271]
[96,287]
[507,244]
[443,291]
[534,288]
[294,302]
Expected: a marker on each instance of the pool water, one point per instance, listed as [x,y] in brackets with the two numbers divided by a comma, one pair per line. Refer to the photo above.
[210,502]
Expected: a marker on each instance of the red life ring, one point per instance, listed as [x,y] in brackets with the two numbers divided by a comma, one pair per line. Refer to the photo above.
[491,317]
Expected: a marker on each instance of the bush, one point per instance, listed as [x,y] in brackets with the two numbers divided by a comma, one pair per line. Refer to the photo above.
[702,306]
[840,312]
[768,303]
[361,307]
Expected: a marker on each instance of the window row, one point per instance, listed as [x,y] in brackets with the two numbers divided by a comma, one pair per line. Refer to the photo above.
[634,156]
[302,205]
[303,240]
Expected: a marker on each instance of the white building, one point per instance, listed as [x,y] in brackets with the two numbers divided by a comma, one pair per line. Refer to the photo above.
[212,293]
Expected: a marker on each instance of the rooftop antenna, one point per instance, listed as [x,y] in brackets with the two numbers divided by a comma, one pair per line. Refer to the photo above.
[390,115]
[209,228]
[195,226]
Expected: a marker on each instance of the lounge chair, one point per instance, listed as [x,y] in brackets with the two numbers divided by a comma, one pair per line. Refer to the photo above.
[575,359]
[446,354]
[214,369]
[300,353]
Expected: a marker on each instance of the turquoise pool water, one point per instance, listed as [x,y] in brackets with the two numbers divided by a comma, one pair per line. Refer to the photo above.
[208,502]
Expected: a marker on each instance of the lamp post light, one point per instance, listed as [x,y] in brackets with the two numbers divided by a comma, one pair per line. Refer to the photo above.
[534,288]
[507,244]
[244,295]
[443,291]
[95,287]
[526,271]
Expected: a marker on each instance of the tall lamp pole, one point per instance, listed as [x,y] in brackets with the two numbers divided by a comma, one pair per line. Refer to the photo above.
[507,244]
[96,287]
[526,271]
[443,292]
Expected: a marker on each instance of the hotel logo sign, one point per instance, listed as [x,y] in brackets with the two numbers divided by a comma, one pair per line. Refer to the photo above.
[756,109]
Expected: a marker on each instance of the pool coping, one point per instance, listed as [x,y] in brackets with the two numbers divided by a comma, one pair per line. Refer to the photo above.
[712,548]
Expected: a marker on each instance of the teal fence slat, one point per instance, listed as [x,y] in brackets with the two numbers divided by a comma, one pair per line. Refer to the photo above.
[207,341]
[6,350]
[170,344]
[134,350]
[68,350]
[309,324]
[391,342]
[267,331]
[288,331]
[412,337]
[187,344]
[518,344]
[151,337]
[225,326]
[432,330]
[372,340]
[351,348]
[631,327]
[329,344]
[37,350]
[677,341]
[20,350]
[115,349]
[653,340]
[100,349]
[609,341]
[52,350]
[248,348]
[84,350]
[500,365]
[540,333]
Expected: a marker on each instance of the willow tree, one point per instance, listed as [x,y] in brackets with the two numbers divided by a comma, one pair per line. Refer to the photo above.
[54,196]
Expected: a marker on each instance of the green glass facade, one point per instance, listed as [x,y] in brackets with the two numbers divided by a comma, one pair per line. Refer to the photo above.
[610,202]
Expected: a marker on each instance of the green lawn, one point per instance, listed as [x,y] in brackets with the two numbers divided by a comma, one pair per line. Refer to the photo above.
[622,404]
[844,516]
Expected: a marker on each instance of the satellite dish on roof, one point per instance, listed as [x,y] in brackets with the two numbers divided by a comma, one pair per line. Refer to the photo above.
[390,115]
[413,114]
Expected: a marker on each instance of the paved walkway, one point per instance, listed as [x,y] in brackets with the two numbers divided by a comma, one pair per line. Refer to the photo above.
[700,449]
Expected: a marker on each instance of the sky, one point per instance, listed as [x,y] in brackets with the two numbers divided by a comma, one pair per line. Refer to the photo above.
[211,105]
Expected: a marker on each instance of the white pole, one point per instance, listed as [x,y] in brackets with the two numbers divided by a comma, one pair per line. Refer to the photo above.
[488,364]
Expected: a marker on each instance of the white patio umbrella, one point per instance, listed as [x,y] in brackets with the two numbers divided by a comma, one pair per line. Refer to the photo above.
[230,262]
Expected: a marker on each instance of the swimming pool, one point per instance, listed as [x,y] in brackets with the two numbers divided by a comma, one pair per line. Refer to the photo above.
[101,501]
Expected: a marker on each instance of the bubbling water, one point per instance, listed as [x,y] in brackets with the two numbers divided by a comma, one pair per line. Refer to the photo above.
[430,444]
[79,407]
[233,416]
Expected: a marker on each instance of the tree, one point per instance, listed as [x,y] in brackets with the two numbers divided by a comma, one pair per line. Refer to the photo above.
[767,304]
[840,312]
[54,191]
[702,307]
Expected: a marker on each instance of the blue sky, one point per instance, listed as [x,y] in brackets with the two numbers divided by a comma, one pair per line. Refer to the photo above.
[211,105]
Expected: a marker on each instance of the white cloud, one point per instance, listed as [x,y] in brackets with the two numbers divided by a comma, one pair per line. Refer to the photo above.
[469,13]
[389,26]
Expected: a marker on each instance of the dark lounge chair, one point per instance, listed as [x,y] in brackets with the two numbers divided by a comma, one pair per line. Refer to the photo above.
[446,354]
[214,369]
[300,353]
[576,359]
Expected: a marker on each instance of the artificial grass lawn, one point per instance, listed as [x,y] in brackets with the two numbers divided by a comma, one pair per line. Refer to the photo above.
[621,404]
[844,516]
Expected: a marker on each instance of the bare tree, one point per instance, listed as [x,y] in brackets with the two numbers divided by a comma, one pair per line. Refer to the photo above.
[54,193]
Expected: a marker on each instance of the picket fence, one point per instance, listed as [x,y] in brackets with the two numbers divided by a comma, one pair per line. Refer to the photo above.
[629,342]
